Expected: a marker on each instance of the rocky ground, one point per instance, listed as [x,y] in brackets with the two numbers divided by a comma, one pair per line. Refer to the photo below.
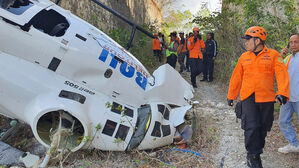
[219,140]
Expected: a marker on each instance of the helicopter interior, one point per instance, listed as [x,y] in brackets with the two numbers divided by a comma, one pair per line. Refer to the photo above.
[49,21]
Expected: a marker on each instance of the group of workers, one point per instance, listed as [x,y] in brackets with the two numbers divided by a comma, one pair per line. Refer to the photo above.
[190,51]
[253,79]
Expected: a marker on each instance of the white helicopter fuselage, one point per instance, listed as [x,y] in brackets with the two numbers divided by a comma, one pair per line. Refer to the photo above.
[53,61]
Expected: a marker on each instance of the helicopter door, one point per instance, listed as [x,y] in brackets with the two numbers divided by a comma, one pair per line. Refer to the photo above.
[13,39]
[50,27]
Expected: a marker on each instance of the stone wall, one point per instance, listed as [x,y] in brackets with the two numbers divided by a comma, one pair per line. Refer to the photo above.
[139,11]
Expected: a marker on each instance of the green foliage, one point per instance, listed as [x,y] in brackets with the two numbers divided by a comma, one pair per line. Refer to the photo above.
[117,140]
[93,19]
[121,36]
[99,126]
[119,108]
[108,105]
[52,151]
[86,165]
[142,45]
[86,139]
[276,107]
[177,20]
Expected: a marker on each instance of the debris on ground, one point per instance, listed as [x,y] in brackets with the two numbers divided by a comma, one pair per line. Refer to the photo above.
[9,155]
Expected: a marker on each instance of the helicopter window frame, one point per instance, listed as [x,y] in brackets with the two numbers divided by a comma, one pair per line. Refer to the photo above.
[16,7]
[166,130]
[122,132]
[141,128]
[161,108]
[156,130]
[164,111]
[109,128]
[50,22]
[129,112]
[118,109]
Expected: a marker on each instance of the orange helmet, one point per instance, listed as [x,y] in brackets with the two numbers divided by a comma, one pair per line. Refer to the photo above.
[155,34]
[257,31]
[195,29]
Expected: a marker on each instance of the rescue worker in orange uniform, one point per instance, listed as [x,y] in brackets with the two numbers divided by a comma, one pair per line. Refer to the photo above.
[182,50]
[253,78]
[157,47]
[187,53]
[195,46]
[176,34]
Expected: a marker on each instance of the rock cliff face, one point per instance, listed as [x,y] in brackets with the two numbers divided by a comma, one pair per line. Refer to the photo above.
[139,11]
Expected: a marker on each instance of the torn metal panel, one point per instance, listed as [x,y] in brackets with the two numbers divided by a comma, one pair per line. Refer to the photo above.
[178,115]
[169,87]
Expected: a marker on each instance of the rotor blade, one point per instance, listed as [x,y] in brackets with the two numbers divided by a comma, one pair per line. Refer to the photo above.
[123,18]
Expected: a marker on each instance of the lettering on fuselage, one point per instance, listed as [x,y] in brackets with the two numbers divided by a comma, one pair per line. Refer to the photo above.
[70,84]
[125,69]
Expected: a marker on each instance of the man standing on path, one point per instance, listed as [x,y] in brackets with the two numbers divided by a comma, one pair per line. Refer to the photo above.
[156,47]
[187,53]
[209,57]
[182,52]
[171,50]
[195,46]
[287,111]
[162,42]
[253,78]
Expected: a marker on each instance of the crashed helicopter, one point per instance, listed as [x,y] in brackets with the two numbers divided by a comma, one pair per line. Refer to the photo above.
[58,71]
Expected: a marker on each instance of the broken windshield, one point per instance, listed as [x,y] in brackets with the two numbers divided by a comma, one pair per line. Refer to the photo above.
[143,120]
[16,7]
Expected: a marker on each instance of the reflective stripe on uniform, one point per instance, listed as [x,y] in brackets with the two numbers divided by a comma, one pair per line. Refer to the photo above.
[168,53]
[287,60]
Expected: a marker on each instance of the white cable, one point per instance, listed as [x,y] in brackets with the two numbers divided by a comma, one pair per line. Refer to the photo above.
[45,161]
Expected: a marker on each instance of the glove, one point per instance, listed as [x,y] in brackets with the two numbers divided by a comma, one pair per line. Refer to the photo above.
[282,99]
[230,102]
[195,39]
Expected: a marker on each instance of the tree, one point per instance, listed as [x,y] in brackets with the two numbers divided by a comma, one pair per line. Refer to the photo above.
[177,20]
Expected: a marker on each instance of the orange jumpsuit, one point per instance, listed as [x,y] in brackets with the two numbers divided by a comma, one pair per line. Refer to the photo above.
[182,47]
[255,74]
[195,58]
[195,48]
[156,44]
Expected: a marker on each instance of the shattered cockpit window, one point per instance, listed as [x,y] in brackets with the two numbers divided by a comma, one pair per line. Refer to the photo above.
[50,22]
[143,120]
[16,7]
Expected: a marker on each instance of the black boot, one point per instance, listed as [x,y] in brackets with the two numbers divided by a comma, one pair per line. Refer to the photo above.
[254,161]
[194,85]
[204,79]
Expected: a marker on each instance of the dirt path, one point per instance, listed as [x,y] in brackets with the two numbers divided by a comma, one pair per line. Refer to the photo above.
[231,140]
